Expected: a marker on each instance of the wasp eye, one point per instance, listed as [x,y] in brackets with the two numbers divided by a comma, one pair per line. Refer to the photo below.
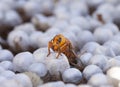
[59,40]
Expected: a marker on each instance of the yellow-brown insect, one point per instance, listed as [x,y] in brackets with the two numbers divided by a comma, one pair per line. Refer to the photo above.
[61,44]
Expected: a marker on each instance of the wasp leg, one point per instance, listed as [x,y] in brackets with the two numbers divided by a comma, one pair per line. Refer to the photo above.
[49,46]
[59,52]
[48,52]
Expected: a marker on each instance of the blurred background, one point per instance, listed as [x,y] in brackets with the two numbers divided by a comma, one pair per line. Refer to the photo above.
[26,27]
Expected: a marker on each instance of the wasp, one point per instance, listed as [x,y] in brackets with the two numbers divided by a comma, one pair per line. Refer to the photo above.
[61,44]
